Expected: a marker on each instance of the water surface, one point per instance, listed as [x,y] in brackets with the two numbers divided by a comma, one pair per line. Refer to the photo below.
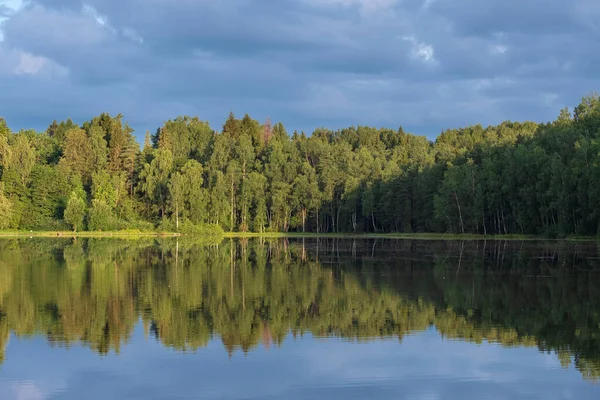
[298,319]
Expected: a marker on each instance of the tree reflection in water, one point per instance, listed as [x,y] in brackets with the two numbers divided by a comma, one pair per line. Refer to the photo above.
[247,292]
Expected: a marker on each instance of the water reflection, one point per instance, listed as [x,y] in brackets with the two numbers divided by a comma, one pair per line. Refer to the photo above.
[249,294]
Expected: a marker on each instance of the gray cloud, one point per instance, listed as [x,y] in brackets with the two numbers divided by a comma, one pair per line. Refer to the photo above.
[473,17]
[39,28]
[423,64]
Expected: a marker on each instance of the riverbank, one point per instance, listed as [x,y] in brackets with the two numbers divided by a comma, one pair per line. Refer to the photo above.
[68,234]
[281,235]
[405,236]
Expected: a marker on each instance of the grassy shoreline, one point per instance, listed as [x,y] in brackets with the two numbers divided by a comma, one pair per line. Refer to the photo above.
[407,236]
[70,234]
[277,235]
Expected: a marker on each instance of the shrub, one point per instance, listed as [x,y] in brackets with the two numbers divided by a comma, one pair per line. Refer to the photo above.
[101,217]
[75,212]
[189,228]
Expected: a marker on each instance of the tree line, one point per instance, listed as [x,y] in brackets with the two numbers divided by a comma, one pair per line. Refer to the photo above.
[513,178]
[93,292]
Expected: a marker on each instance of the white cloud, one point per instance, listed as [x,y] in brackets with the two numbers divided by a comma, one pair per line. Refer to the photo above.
[10,6]
[30,64]
[130,33]
[89,10]
[22,63]
[424,51]
[27,391]
[499,49]
[419,50]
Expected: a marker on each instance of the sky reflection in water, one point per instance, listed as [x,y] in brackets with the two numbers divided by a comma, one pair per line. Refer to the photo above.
[431,361]
[423,366]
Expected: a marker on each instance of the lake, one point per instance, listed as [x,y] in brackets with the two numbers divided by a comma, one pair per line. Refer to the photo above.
[179,318]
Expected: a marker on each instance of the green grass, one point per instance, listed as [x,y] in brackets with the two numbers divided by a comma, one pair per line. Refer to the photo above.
[415,236]
[127,233]
[275,235]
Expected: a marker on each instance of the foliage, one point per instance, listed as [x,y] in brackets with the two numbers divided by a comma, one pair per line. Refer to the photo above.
[101,217]
[514,178]
[6,210]
[75,212]
[187,227]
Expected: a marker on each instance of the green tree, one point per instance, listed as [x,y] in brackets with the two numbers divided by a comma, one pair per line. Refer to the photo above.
[22,157]
[78,153]
[5,152]
[6,209]
[154,179]
[195,196]
[103,188]
[306,195]
[98,148]
[75,212]
[255,186]
[101,217]
[177,195]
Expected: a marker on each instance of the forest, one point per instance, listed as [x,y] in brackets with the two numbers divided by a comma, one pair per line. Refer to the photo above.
[247,176]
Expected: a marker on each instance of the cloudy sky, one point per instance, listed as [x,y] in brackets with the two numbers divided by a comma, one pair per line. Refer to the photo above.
[422,64]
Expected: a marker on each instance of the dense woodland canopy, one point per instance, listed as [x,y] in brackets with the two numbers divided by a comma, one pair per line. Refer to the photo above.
[512,178]
[93,292]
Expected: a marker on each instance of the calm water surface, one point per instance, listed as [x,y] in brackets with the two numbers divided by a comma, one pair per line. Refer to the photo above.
[298,319]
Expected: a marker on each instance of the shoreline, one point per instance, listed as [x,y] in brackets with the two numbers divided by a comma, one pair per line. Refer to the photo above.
[68,234]
[299,235]
[407,236]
